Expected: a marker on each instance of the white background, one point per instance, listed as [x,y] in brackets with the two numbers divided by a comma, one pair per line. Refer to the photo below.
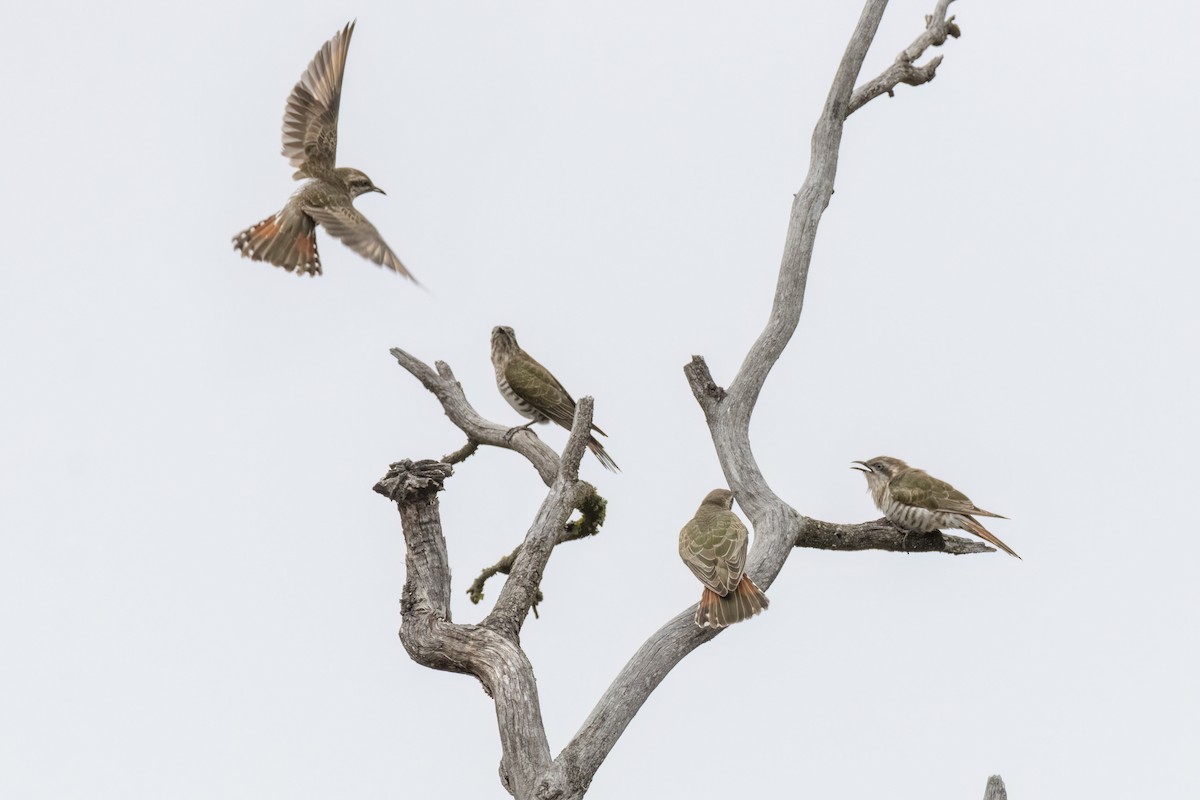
[199,588]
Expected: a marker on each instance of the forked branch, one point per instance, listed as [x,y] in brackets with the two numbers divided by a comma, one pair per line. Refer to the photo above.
[490,650]
[937,27]
[777,527]
[520,591]
[445,387]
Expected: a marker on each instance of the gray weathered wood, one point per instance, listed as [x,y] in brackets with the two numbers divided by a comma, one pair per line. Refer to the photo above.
[937,27]
[520,590]
[491,650]
[995,789]
[728,411]
[445,387]
[881,534]
[777,527]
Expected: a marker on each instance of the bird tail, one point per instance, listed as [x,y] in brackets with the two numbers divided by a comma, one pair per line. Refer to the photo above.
[983,533]
[287,239]
[743,602]
[602,454]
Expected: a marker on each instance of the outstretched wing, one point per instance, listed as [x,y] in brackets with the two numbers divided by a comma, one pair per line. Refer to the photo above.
[714,548]
[357,233]
[311,115]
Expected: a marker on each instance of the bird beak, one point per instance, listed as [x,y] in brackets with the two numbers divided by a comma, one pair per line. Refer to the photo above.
[863,468]
[381,191]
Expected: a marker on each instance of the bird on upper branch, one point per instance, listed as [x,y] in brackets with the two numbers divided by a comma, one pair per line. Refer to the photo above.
[534,392]
[288,239]
[917,501]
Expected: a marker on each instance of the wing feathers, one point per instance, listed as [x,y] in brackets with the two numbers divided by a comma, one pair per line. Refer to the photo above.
[311,114]
[357,233]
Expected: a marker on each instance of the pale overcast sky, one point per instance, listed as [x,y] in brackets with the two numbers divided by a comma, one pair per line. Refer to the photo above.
[200,590]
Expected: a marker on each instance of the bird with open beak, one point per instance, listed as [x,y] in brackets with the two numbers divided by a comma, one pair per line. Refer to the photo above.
[917,501]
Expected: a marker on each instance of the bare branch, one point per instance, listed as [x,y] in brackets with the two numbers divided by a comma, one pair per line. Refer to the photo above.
[521,589]
[434,641]
[449,392]
[414,488]
[501,567]
[778,528]
[776,525]
[461,454]
[816,534]
[937,27]
[577,763]
[592,509]
[489,651]
[445,387]
[729,422]
[878,535]
[581,428]
[882,535]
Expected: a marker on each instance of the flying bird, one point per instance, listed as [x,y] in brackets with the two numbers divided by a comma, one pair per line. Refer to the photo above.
[914,499]
[713,545]
[534,392]
[288,239]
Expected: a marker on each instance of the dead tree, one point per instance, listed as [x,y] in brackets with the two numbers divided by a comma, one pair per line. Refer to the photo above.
[491,650]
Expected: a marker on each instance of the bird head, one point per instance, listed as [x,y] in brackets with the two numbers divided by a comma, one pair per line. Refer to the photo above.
[358,182]
[720,498]
[879,470]
[504,341]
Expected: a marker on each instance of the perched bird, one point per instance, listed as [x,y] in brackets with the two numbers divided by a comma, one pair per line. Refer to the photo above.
[289,239]
[534,392]
[914,499]
[713,545]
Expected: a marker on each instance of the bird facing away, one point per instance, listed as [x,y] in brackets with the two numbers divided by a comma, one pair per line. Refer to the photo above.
[534,392]
[289,239]
[713,545]
[914,499]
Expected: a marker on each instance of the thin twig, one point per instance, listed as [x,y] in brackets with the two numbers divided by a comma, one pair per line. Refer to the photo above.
[592,509]
[937,27]
[501,567]
[462,454]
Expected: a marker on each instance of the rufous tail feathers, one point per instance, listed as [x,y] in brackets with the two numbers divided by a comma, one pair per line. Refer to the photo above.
[742,603]
[287,239]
